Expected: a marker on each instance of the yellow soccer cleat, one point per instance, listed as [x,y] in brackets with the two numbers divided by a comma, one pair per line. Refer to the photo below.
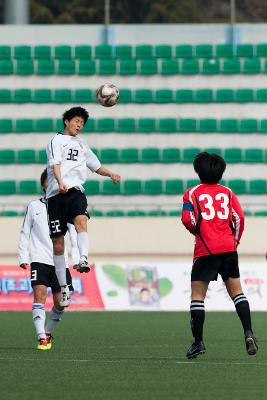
[43,345]
[49,340]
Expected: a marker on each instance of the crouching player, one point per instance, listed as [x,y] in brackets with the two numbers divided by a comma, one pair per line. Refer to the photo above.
[213,214]
[35,246]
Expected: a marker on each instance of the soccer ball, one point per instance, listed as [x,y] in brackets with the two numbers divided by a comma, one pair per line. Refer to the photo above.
[107,95]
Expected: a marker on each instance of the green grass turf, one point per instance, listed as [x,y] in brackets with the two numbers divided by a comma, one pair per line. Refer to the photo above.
[129,356]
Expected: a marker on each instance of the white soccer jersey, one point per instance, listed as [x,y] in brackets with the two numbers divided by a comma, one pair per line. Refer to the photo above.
[74,156]
[35,244]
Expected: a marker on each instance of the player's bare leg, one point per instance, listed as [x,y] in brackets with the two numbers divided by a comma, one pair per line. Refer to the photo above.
[80,223]
[60,269]
[234,288]
[54,317]
[38,315]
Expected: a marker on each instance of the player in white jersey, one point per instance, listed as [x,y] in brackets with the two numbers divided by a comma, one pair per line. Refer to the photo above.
[36,249]
[68,159]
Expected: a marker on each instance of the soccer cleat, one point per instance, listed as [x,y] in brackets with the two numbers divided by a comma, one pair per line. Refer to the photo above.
[83,265]
[65,296]
[43,344]
[49,340]
[195,350]
[251,344]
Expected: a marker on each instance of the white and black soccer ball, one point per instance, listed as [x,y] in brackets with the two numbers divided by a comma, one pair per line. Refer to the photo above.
[107,95]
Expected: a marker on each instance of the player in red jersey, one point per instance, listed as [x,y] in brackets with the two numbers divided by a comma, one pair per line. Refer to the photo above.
[212,213]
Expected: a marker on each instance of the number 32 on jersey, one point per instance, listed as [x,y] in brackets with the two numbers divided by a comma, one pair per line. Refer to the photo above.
[217,206]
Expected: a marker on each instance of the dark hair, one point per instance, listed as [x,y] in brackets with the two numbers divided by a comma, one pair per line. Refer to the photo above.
[209,167]
[43,177]
[75,112]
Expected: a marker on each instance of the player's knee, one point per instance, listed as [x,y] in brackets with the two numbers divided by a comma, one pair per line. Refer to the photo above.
[39,294]
[58,245]
[80,223]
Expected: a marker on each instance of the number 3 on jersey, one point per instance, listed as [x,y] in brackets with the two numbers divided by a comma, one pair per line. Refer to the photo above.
[221,200]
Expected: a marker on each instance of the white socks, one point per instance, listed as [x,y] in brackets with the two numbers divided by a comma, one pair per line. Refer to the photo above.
[83,243]
[60,268]
[38,316]
[54,319]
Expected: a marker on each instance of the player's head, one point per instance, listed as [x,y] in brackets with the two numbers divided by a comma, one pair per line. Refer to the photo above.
[209,167]
[74,120]
[44,180]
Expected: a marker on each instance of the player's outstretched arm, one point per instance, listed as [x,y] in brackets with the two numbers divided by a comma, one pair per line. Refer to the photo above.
[105,172]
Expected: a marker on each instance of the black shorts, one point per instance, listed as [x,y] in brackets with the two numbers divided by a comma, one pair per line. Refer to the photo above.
[44,274]
[207,268]
[63,208]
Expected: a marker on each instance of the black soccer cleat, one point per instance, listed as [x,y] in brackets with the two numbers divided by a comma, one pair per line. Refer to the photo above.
[195,350]
[251,344]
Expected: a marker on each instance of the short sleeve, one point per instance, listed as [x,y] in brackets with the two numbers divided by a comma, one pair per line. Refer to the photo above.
[92,162]
[53,152]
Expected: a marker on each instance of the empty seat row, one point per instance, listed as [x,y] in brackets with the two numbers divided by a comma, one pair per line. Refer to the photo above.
[142,51]
[133,67]
[141,125]
[147,155]
[130,187]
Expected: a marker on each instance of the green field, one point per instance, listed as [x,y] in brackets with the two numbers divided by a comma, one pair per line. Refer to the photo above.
[127,356]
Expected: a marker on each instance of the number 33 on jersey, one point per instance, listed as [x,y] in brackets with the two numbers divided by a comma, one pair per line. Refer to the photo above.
[213,214]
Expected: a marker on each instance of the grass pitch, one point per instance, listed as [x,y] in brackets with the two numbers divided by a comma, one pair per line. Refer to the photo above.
[130,356]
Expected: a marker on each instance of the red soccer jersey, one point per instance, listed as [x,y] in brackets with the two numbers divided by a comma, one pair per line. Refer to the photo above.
[213,214]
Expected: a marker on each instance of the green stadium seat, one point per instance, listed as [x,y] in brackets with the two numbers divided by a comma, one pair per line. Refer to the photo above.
[261,50]
[91,187]
[189,154]
[109,188]
[204,96]
[115,213]
[184,51]
[174,186]
[132,187]
[5,52]
[96,213]
[105,125]
[109,156]
[66,67]
[42,96]
[45,67]
[83,52]
[153,187]
[10,213]
[41,157]
[229,125]
[148,67]
[107,67]
[60,126]
[123,52]
[224,51]
[87,67]
[210,67]
[136,213]
[224,95]
[6,67]
[253,156]
[7,156]
[244,50]
[169,67]
[257,186]
[167,125]
[63,96]
[248,213]
[171,155]
[203,51]
[43,125]
[103,51]
[187,125]
[126,125]
[191,183]
[22,52]
[144,51]
[190,67]
[184,96]
[27,187]
[24,126]
[143,96]
[164,96]
[175,213]
[248,126]
[5,96]
[26,156]
[263,126]
[157,213]
[25,67]
[163,51]
[150,155]
[231,66]
[7,187]
[244,95]
[129,156]
[260,213]
[239,186]
[207,125]
[22,96]
[127,67]
[84,96]
[6,126]
[233,155]
[63,52]
[89,126]
[214,150]
[146,125]
[126,96]
[261,95]
[42,52]
[251,66]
